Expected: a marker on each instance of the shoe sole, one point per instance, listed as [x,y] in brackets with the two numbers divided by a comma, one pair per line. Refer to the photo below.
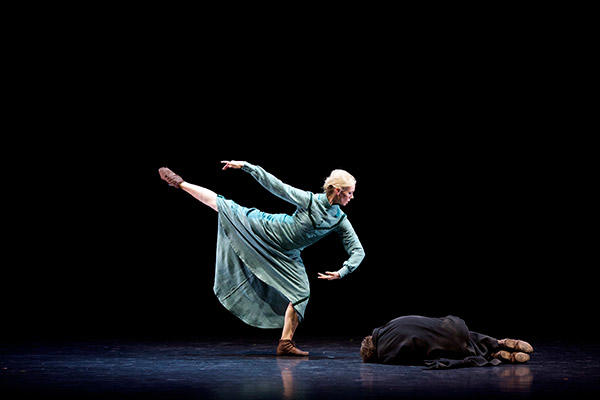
[512,357]
[518,345]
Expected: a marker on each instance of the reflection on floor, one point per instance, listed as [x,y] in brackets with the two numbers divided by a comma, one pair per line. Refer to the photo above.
[248,369]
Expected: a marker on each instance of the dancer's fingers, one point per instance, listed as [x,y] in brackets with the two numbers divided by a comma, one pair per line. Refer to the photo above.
[332,275]
[233,164]
[328,275]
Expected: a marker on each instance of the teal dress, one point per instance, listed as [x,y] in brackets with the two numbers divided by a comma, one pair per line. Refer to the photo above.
[259,270]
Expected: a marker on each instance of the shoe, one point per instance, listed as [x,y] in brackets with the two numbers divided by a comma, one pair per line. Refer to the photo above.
[288,348]
[517,345]
[170,177]
[508,356]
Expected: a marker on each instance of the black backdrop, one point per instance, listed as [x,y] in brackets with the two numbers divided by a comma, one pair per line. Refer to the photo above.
[470,197]
[479,228]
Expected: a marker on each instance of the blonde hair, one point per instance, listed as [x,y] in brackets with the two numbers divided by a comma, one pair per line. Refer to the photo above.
[338,179]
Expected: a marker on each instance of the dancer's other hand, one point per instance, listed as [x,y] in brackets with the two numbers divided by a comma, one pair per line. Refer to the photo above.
[329,275]
[233,164]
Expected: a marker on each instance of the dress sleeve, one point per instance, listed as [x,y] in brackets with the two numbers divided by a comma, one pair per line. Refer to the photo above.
[352,246]
[299,198]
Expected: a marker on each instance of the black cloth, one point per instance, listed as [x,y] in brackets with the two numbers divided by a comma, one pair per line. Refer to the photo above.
[435,342]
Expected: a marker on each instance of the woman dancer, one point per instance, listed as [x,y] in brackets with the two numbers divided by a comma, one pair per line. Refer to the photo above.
[260,276]
[438,343]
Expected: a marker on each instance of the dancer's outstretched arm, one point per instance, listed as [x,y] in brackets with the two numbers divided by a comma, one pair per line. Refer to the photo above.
[353,248]
[298,197]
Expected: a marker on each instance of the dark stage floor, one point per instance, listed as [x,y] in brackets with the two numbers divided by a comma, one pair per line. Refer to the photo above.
[218,369]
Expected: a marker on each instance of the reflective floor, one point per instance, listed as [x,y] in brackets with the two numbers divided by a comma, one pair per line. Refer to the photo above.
[238,369]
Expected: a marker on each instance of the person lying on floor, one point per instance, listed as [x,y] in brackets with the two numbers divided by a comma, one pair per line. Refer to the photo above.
[438,343]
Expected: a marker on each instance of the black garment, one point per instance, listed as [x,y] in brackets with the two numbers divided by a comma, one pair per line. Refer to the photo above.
[436,342]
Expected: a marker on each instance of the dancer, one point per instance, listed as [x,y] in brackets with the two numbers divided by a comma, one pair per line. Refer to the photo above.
[260,276]
[438,343]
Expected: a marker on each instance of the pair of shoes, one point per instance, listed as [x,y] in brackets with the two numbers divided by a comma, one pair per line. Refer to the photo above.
[517,357]
[170,177]
[288,348]
[517,345]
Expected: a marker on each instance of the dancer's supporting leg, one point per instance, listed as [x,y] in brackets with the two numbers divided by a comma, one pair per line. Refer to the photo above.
[290,323]
[286,345]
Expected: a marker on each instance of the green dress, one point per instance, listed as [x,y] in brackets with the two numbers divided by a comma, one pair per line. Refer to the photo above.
[259,270]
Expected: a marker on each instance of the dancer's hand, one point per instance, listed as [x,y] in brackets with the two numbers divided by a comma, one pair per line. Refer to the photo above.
[233,164]
[329,275]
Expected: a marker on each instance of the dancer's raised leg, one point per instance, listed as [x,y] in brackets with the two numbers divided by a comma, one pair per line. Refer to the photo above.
[286,346]
[206,196]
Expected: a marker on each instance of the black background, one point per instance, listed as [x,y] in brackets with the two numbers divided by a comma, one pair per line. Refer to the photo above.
[471,196]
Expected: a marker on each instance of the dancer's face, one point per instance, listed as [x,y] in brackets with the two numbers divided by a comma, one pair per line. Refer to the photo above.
[345,195]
